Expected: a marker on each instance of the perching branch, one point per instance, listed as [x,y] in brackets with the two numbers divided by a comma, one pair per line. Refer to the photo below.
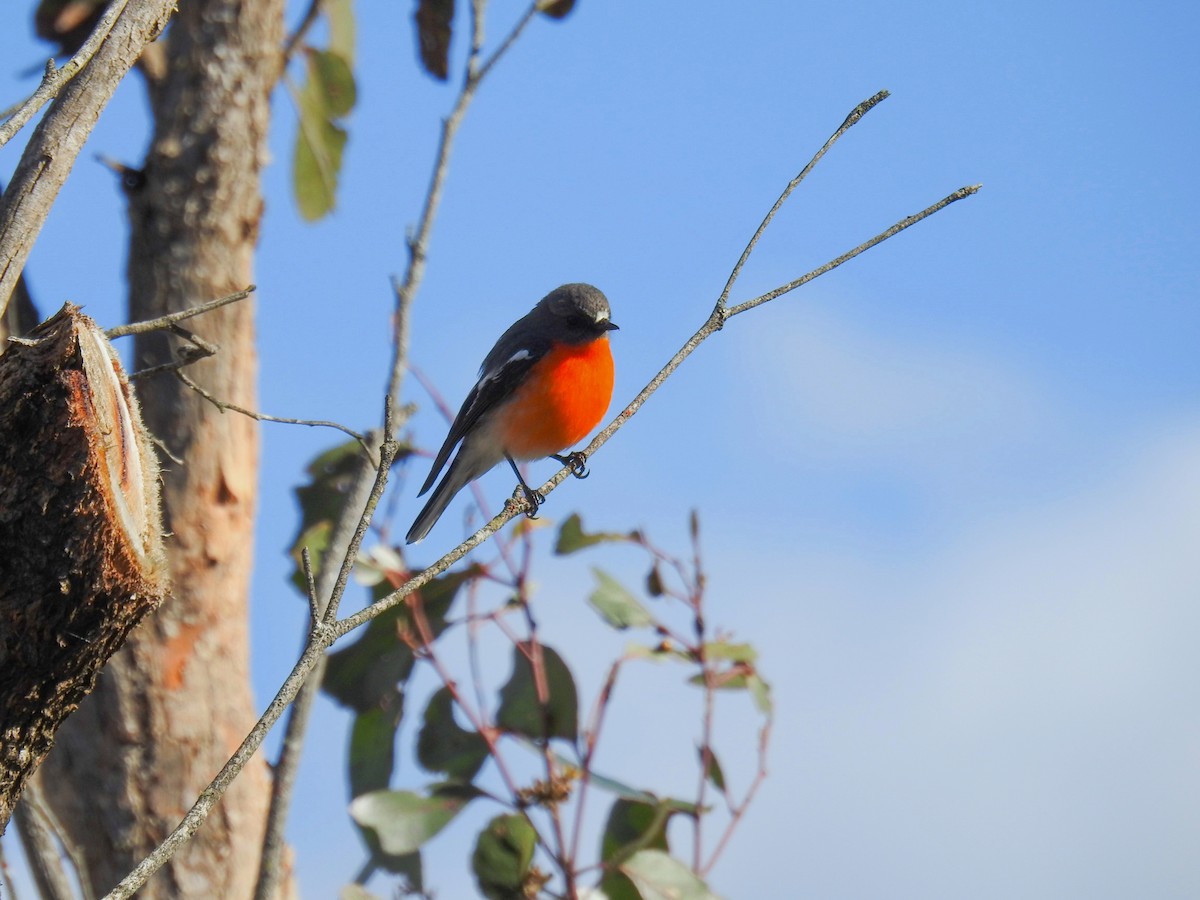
[51,152]
[330,629]
[714,323]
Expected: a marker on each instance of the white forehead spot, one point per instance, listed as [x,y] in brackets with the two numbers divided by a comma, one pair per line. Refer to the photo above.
[602,315]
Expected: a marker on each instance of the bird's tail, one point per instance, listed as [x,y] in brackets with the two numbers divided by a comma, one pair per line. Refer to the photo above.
[459,475]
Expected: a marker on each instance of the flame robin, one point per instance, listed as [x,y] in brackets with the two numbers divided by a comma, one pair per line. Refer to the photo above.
[542,388]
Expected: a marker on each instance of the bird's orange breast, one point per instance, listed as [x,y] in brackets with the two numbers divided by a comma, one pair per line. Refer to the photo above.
[563,398]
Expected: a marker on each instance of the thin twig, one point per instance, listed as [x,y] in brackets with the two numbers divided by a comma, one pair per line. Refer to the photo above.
[738,811]
[591,739]
[314,605]
[475,718]
[418,245]
[174,318]
[908,222]
[306,23]
[226,406]
[537,664]
[856,114]
[525,19]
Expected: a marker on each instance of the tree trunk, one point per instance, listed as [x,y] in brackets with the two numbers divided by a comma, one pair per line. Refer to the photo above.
[176,701]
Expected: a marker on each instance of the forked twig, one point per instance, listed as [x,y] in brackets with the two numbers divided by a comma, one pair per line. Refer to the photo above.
[226,406]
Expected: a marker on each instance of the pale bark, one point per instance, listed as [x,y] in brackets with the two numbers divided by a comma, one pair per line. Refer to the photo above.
[176,702]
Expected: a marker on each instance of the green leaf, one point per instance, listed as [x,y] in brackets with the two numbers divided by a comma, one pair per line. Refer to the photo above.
[340,14]
[434,20]
[443,746]
[400,822]
[617,606]
[316,161]
[521,713]
[333,79]
[659,876]
[632,825]
[712,768]
[572,537]
[408,865]
[360,676]
[373,746]
[659,652]
[738,653]
[761,692]
[502,857]
[329,93]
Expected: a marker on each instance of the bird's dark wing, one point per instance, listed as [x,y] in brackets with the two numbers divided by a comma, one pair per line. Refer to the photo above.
[503,370]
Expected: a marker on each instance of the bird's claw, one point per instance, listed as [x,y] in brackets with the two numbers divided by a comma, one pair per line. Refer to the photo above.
[577,461]
[533,499]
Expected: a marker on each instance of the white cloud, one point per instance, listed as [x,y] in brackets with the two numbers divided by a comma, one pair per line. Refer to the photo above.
[847,388]
[1015,718]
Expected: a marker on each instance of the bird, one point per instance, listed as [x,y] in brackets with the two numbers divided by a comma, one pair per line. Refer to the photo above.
[543,387]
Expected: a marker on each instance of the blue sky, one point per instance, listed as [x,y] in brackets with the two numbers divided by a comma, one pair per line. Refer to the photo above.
[950,491]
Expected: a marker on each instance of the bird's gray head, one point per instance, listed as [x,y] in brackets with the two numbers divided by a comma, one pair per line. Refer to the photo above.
[581,308]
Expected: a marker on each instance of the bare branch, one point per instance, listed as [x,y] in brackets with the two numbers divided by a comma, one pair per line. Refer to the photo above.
[418,244]
[310,584]
[225,406]
[174,318]
[851,120]
[292,44]
[907,222]
[714,323]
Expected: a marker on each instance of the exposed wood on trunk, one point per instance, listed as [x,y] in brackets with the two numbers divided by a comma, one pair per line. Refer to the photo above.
[81,558]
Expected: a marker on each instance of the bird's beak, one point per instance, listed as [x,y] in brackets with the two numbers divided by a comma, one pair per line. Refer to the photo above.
[611,326]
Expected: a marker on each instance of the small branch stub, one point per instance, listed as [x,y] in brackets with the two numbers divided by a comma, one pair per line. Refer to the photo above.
[81,558]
